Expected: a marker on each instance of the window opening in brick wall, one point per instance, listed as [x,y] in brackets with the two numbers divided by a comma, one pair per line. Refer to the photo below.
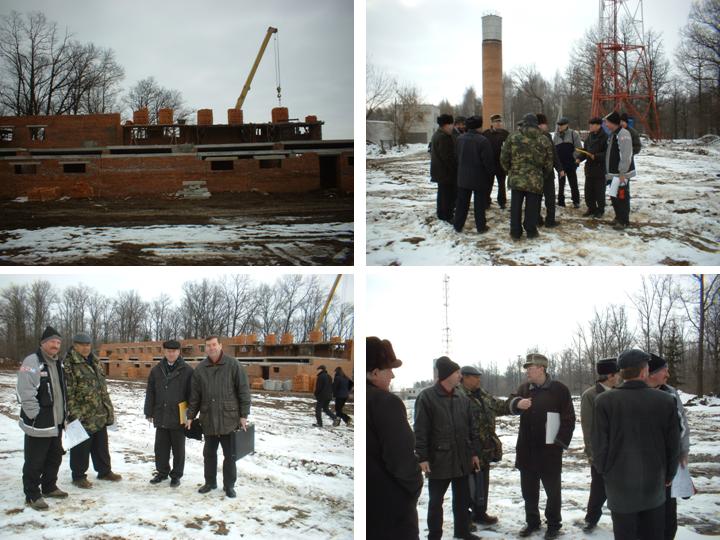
[37,133]
[270,163]
[26,168]
[74,168]
[221,165]
[6,134]
[138,133]
[171,132]
[276,370]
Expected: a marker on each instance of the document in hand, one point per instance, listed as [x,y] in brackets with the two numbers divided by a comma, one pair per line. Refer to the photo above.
[614,186]
[552,427]
[244,442]
[182,406]
[74,434]
[682,485]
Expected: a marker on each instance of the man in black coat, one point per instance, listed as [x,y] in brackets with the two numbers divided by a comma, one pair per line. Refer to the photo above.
[168,386]
[542,402]
[636,447]
[497,135]
[443,167]
[446,445]
[323,395]
[594,157]
[476,168]
[394,480]
[342,385]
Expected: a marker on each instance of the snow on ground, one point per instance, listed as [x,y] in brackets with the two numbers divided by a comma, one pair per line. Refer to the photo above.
[698,517]
[297,485]
[675,217]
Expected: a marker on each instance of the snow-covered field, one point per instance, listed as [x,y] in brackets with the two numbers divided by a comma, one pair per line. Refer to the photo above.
[297,485]
[698,517]
[675,217]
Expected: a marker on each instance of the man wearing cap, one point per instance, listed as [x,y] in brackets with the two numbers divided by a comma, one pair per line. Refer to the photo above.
[657,378]
[608,378]
[42,395]
[89,402]
[566,140]
[549,178]
[476,167]
[443,167]
[323,396]
[168,386]
[394,480]
[485,408]
[446,445]
[527,157]
[636,144]
[542,402]
[497,135]
[594,157]
[635,447]
[620,163]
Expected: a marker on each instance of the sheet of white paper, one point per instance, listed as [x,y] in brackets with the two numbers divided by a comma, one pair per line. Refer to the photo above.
[614,185]
[682,485]
[552,427]
[74,434]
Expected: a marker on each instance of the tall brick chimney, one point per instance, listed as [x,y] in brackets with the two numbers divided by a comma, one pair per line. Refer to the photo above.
[492,85]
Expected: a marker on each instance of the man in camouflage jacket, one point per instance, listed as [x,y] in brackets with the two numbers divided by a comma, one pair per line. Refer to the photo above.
[527,156]
[89,402]
[485,408]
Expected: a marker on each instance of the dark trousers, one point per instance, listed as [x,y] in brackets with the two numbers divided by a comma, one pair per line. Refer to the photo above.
[571,175]
[463,204]
[530,486]
[323,406]
[460,504]
[97,448]
[339,404]
[549,195]
[595,192]
[210,459]
[532,208]
[622,206]
[597,496]
[166,440]
[501,196]
[446,196]
[670,515]
[479,487]
[645,525]
[43,456]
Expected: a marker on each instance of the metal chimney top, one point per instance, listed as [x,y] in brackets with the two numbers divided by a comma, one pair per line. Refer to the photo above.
[492,28]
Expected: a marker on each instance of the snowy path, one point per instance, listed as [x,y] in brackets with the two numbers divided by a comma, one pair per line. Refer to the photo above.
[675,218]
[298,484]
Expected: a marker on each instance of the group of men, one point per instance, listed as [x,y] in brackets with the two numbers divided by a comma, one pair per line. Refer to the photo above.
[327,388]
[634,436]
[465,161]
[52,393]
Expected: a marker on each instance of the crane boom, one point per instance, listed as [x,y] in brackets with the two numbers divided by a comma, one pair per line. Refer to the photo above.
[246,88]
[324,311]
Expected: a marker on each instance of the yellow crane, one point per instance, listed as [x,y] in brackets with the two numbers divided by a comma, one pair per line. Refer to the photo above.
[324,311]
[246,88]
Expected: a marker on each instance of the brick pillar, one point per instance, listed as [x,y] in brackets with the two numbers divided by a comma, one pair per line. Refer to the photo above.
[141,116]
[311,119]
[235,117]
[165,117]
[280,114]
[204,117]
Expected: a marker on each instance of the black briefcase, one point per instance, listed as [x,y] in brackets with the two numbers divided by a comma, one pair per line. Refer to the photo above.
[244,442]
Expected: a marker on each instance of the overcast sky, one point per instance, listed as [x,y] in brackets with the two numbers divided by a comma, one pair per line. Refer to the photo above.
[206,48]
[150,282]
[438,45]
[495,314]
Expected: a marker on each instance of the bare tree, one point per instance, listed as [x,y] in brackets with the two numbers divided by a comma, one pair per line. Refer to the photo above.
[40,300]
[380,88]
[407,111]
[656,303]
[700,299]
[529,82]
[148,93]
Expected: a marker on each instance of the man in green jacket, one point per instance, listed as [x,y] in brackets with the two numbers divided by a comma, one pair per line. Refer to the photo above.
[88,401]
[221,394]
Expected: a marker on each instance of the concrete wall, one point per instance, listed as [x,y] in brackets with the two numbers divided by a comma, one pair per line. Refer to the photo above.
[380,131]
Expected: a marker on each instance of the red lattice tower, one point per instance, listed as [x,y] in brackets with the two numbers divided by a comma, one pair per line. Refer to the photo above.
[623,78]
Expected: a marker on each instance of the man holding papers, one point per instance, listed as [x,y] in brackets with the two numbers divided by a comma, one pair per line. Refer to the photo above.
[42,395]
[619,169]
[547,421]
[166,399]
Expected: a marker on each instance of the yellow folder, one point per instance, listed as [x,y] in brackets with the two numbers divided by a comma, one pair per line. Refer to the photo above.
[183,411]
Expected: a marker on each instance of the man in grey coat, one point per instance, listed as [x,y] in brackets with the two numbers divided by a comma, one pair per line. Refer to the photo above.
[619,162]
[446,444]
[608,378]
[42,395]
[221,394]
[636,446]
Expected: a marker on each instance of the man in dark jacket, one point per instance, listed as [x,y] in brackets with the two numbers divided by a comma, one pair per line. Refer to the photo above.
[594,157]
[566,140]
[342,385]
[547,421]
[548,179]
[220,393]
[443,167]
[168,386]
[497,135]
[459,127]
[43,409]
[394,480]
[620,164]
[323,396]
[446,446]
[476,167]
[636,446]
[608,378]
